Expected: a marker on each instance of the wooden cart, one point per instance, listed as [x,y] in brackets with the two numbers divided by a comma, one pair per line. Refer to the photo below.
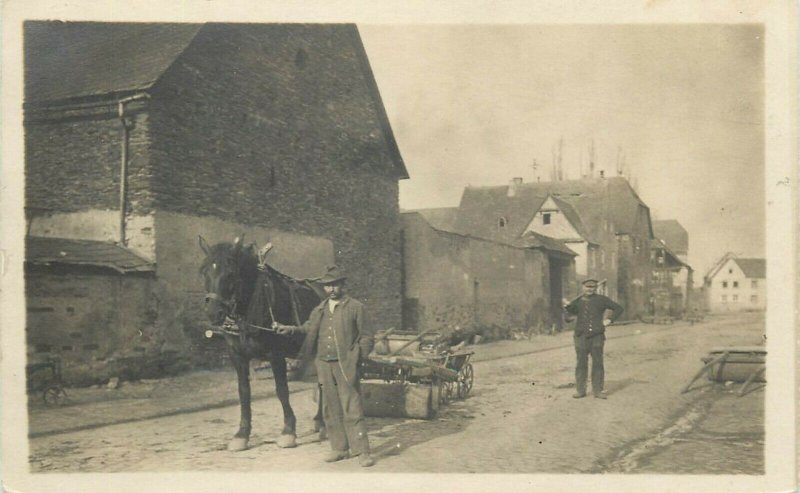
[412,375]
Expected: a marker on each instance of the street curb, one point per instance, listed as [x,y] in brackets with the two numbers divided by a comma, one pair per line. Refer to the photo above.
[165,414]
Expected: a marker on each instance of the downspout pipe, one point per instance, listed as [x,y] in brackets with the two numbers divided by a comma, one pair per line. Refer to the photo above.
[127,125]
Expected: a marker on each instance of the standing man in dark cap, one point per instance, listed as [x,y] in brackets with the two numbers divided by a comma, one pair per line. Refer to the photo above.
[336,335]
[590,308]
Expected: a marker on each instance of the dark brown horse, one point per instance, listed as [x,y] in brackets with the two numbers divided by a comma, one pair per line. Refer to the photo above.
[243,298]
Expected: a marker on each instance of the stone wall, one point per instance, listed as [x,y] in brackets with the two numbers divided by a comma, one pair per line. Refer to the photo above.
[276,126]
[93,319]
[456,281]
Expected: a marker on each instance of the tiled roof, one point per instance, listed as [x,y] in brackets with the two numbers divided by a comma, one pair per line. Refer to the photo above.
[592,199]
[755,268]
[672,257]
[529,240]
[49,251]
[77,59]
[575,219]
[443,218]
[535,240]
[675,236]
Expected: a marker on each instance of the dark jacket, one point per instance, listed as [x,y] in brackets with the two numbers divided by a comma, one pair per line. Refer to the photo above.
[350,325]
[590,311]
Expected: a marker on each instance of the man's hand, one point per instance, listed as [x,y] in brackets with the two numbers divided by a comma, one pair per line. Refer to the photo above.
[606,322]
[284,330]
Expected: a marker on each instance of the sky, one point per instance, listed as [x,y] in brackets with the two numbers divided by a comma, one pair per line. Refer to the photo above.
[681,105]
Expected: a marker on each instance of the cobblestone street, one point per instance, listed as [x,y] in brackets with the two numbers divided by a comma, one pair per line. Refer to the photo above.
[520,417]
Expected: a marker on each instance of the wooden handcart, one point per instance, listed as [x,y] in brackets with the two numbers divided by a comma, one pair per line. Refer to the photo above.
[413,375]
[44,378]
[733,364]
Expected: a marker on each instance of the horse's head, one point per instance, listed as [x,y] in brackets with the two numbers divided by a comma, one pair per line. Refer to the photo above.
[228,271]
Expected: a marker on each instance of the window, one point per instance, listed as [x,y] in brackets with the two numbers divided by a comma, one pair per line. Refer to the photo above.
[724,284]
[735,284]
[735,297]
[501,222]
[754,299]
[724,297]
[546,218]
[730,271]
[753,284]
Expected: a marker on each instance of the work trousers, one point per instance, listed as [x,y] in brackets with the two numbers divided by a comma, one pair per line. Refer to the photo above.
[342,409]
[584,346]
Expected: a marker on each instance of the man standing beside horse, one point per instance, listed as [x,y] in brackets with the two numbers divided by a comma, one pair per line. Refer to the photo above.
[337,339]
[589,337]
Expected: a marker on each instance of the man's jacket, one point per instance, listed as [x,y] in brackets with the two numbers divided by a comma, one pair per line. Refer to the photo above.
[355,340]
[590,311]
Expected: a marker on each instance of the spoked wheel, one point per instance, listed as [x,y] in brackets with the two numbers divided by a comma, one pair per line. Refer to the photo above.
[465,378]
[55,395]
[448,389]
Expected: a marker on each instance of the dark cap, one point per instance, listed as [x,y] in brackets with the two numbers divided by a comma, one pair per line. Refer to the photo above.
[333,274]
[591,281]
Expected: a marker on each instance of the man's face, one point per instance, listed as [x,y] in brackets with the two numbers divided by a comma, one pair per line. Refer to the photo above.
[589,289]
[335,290]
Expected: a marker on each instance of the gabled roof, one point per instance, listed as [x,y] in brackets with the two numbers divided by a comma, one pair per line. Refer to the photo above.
[442,218]
[657,243]
[673,234]
[575,219]
[69,61]
[53,251]
[66,60]
[754,268]
[529,240]
[593,200]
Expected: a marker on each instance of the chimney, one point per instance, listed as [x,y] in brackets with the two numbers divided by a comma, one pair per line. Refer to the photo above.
[513,185]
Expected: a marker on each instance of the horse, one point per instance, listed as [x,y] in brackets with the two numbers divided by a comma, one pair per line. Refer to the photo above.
[244,296]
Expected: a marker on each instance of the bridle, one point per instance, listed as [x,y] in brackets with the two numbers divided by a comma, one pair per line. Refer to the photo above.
[233,323]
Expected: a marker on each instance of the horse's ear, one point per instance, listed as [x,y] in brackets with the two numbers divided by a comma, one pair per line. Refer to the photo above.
[203,245]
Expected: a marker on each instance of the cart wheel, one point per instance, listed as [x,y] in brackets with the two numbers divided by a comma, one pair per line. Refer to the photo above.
[55,395]
[447,392]
[465,378]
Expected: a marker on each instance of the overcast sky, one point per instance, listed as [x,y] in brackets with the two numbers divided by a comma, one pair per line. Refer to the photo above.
[475,105]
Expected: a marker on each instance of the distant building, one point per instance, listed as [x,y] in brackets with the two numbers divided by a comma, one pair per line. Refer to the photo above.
[457,280]
[673,277]
[674,236]
[671,284]
[148,135]
[736,284]
[602,220]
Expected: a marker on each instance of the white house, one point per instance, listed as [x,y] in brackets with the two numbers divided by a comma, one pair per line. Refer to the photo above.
[737,284]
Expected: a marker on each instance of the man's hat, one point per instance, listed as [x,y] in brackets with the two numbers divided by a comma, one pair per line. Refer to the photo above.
[591,281]
[334,274]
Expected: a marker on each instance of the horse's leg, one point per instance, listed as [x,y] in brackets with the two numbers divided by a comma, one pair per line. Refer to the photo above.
[319,422]
[288,436]
[240,439]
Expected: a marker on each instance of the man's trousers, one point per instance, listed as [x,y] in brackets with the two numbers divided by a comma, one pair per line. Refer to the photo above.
[584,346]
[342,409]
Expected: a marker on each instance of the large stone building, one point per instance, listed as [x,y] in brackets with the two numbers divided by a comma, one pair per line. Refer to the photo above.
[148,135]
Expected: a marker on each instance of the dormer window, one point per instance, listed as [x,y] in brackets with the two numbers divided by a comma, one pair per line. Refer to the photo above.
[546,218]
[501,223]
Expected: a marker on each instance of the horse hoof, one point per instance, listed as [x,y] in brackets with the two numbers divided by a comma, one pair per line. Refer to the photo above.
[323,434]
[237,444]
[287,441]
